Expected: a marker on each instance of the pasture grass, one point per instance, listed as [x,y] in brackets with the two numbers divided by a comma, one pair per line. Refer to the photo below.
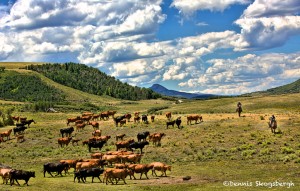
[222,148]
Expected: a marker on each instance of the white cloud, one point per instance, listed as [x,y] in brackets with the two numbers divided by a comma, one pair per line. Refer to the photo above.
[188,7]
[271,8]
[247,73]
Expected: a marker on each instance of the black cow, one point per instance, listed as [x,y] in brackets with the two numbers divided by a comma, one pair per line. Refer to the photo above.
[142,136]
[170,123]
[83,173]
[178,122]
[96,144]
[16,175]
[68,131]
[28,122]
[145,118]
[19,129]
[118,119]
[138,145]
[55,167]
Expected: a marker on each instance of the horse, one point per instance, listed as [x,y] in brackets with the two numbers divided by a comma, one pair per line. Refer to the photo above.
[239,110]
[273,125]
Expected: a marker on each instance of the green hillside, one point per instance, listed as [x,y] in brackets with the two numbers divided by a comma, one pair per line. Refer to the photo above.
[285,89]
[93,81]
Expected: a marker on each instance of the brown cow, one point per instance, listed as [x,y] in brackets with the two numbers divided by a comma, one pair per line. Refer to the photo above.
[120,136]
[94,124]
[137,119]
[86,118]
[124,144]
[5,174]
[20,138]
[112,113]
[73,119]
[122,122]
[87,165]
[96,116]
[152,118]
[6,134]
[64,141]
[156,138]
[80,126]
[194,117]
[160,167]
[104,115]
[111,159]
[97,155]
[96,133]
[16,118]
[131,158]
[168,115]
[71,164]
[140,168]
[116,174]
[128,117]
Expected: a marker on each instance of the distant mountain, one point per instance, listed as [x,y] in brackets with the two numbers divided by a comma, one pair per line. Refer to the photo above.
[293,87]
[164,91]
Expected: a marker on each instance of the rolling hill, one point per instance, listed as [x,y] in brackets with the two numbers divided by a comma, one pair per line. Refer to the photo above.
[293,87]
[164,91]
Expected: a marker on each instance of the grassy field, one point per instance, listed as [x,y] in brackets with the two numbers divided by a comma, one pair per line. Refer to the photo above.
[222,148]
[224,152]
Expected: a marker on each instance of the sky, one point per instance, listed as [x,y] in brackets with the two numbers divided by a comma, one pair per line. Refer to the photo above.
[225,47]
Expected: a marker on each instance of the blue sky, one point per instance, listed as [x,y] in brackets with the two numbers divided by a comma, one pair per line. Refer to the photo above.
[224,47]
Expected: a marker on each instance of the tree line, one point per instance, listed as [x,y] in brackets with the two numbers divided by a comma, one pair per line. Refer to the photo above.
[92,80]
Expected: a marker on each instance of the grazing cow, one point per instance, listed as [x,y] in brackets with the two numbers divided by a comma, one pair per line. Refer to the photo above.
[145,118]
[86,113]
[178,122]
[16,175]
[168,123]
[6,134]
[73,119]
[23,118]
[96,144]
[138,145]
[20,138]
[66,131]
[86,118]
[83,173]
[16,118]
[140,168]
[160,167]
[111,113]
[128,117]
[104,115]
[143,136]
[118,119]
[64,141]
[122,122]
[55,167]
[94,124]
[28,122]
[96,133]
[195,118]
[80,126]
[5,174]
[19,129]
[95,117]
[168,115]
[97,155]
[73,141]
[116,174]
[120,136]
[152,118]
[124,144]
[137,119]
[156,138]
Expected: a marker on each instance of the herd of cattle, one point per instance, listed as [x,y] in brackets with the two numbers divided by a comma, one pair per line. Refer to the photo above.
[113,165]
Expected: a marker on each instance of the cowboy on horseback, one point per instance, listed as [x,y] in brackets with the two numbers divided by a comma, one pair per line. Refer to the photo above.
[239,108]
